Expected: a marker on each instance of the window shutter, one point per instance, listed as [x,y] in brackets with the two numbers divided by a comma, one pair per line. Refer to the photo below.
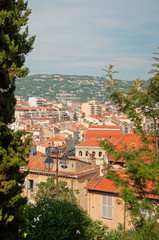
[34,186]
[25,185]
[107,206]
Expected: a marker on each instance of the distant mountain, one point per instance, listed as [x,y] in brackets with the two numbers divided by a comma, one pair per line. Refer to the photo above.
[65,87]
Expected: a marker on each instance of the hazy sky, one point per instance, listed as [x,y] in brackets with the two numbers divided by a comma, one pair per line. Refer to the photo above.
[81,36]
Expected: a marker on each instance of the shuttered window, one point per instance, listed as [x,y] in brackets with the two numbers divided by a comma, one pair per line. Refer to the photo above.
[107,206]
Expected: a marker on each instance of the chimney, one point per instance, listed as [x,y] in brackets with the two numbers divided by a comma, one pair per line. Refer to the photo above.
[102,167]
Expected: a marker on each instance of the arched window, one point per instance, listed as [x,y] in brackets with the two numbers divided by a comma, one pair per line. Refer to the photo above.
[100,154]
[86,153]
[80,153]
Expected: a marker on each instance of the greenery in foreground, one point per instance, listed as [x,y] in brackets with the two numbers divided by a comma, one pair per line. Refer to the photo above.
[139,187]
[52,219]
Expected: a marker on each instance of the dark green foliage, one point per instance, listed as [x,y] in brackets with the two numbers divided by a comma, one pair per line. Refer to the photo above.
[14,45]
[48,189]
[13,153]
[14,147]
[50,219]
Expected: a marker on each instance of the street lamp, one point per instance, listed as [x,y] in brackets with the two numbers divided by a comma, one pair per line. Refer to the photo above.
[49,163]
[63,162]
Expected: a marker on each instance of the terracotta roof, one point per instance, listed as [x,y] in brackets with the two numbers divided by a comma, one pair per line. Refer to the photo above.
[90,142]
[96,117]
[40,154]
[104,127]
[129,140]
[98,183]
[36,163]
[107,114]
[80,127]
[59,139]
[107,134]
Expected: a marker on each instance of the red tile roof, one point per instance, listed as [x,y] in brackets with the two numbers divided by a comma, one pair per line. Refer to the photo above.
[110,127]
[129,140]
[107,134]
[98,183]
[80,127]
[90,142]
[36,163]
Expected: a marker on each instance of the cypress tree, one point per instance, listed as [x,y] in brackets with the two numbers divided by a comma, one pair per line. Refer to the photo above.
[15,44]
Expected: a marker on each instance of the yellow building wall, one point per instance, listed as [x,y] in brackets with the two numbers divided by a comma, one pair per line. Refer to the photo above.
[94,208]
[73,183]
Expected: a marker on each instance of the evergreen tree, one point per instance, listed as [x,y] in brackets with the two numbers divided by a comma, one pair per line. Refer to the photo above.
[15,44]
[141,176]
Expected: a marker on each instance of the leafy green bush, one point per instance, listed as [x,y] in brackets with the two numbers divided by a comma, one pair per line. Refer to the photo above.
[52,219]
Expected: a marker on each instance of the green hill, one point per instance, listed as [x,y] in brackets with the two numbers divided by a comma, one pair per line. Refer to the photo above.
[69,87]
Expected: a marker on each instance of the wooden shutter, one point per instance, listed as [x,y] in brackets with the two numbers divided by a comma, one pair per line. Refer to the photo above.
[107,206]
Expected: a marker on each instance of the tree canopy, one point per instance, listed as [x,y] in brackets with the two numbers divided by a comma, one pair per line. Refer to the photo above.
[15,44]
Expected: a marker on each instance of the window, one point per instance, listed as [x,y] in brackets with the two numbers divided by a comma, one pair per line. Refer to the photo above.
[30,185]
[80,153]
[107,206]
[86,153]
[100,154]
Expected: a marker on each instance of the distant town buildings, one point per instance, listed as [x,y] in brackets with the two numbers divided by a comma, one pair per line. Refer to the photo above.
[75,128]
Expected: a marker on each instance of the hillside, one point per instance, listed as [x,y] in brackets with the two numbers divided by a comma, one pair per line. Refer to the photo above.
[68,87]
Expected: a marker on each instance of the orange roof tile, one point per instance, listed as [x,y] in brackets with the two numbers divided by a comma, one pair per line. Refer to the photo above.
[107,134]
[104,127]
[98,183]
[90,142]
[36,163]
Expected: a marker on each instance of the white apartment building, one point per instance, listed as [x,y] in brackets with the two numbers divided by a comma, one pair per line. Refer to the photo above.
[92,109]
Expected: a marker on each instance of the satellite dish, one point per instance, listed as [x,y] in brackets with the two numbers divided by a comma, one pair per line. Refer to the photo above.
[106,160]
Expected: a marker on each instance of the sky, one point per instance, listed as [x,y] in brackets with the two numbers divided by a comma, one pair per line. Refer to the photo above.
[80,37]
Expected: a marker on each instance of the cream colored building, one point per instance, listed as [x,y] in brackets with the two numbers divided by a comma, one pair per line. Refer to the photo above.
[89,149]
[92,109]
[76,175]
[104,203]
